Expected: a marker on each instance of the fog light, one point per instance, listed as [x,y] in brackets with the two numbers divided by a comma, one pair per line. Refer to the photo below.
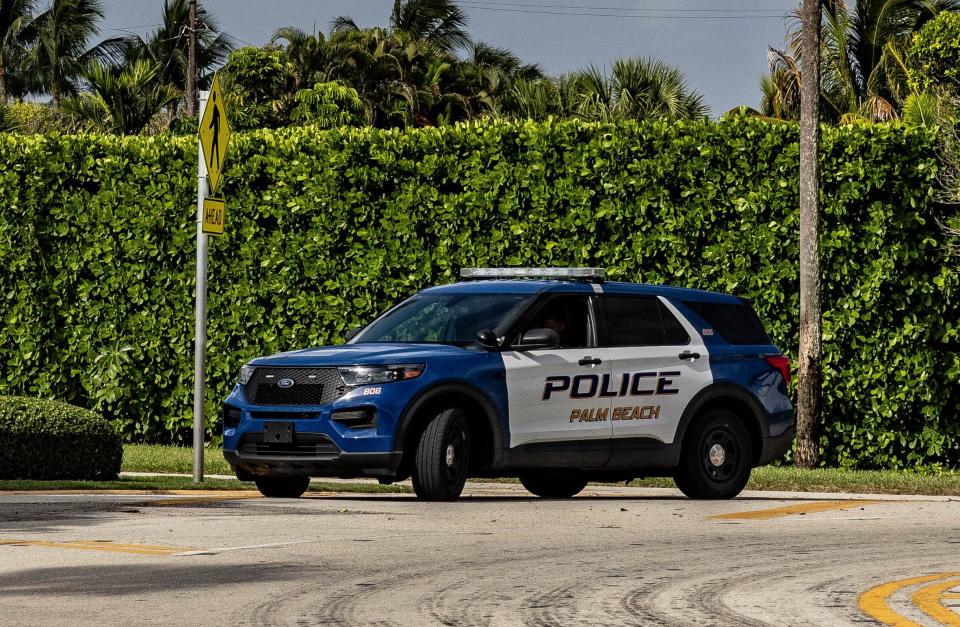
[364,418]
[231,416]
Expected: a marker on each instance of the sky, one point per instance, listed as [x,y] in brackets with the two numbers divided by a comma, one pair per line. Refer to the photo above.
[720,45]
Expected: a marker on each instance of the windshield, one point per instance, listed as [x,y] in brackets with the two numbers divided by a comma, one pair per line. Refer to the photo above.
[445,318]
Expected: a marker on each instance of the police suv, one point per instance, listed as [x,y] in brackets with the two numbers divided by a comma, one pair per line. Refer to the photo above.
[553,375]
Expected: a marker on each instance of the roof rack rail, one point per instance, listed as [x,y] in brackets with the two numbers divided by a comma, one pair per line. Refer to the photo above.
[592,275]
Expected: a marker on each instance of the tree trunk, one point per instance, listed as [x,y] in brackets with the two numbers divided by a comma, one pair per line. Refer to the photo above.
[192,60]
[809,392]
[3,83]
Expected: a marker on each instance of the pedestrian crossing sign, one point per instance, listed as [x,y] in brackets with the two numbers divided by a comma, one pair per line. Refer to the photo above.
[214,134]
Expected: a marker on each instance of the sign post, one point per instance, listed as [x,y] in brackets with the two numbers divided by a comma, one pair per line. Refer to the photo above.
[214,135]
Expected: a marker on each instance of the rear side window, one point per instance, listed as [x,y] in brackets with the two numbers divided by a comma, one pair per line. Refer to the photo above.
[737,323]
[640,321]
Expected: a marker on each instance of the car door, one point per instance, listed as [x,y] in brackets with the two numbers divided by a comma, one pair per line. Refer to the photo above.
[554,394]
[659,362]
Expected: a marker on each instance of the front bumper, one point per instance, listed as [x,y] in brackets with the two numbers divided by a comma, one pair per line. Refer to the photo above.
[341,464]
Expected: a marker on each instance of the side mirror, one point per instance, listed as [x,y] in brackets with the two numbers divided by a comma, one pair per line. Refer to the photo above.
[352,333]
[488,338]
[538,338]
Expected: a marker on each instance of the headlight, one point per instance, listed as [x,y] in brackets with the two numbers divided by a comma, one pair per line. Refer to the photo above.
[245,373]
[367,375]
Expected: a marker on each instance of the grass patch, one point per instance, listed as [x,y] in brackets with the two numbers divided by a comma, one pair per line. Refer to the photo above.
[173,459]
[178,459]
[791,479]
[162,484]
[788,478]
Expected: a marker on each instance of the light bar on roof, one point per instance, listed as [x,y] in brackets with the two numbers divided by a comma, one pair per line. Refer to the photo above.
[583,274]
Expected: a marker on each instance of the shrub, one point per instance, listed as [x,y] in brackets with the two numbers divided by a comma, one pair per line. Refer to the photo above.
[41,439]
[935,54]
[327,229]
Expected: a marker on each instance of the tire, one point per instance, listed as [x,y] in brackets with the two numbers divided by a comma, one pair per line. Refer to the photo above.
[282,487]
[553,485]
[709,472]
[443,457]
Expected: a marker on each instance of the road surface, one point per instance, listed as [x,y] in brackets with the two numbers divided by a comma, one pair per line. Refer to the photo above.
[612,556]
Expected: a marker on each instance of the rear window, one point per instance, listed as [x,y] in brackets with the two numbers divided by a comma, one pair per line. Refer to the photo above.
[640,321]
[737,323]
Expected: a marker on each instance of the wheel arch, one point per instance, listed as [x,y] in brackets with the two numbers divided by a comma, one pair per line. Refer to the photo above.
[482,416]
[727,396]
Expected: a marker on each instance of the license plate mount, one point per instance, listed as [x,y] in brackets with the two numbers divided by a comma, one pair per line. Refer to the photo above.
[278,432]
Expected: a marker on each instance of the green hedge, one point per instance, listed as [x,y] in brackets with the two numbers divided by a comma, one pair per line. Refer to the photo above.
[327,229]
[41,439]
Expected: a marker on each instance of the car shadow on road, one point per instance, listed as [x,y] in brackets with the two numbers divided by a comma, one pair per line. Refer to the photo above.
[58,516]
[467,498]
[151,578]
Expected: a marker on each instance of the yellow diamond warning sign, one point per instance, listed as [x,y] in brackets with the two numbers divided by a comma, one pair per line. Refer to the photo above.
[214,134]
[214,215]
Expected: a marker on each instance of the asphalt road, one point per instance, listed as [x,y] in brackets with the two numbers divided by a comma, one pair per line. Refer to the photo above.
[498,557]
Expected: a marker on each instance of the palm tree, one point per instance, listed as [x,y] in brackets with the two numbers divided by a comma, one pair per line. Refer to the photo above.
[60,53]
[490,72]
[313,58]
[166,47]
[15,15]
[638,89]
[861,59]
[440,22]
[123,99]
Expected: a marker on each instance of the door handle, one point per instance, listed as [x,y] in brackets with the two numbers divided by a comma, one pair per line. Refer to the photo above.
[590,361]
[689,355]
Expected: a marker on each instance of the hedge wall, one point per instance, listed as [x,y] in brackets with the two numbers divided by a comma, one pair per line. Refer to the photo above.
[327,229]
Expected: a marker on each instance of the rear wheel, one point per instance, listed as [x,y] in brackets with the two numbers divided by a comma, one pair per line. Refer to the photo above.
[443,457]
[282,487]
[716,459]
[553,485]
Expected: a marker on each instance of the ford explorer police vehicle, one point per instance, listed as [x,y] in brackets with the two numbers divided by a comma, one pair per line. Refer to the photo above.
[553,375]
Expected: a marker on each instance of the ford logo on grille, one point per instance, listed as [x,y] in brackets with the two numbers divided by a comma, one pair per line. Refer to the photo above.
[285,383]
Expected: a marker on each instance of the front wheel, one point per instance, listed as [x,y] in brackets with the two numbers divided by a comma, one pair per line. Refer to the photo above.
[553,485]
[716,459]
[443,457]
[282,487]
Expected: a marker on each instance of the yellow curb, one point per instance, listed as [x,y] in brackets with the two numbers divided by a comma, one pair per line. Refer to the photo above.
[133,492]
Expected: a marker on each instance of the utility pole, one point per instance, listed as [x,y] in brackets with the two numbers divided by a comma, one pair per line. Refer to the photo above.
[200,326]
[809,380]
[192,60]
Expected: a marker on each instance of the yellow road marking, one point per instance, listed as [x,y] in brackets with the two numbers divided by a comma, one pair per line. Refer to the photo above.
[873,602]
[99,545]
[929,600]
[788,510]
[131,492]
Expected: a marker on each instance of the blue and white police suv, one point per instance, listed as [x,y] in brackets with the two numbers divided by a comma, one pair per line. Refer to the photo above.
[553,375]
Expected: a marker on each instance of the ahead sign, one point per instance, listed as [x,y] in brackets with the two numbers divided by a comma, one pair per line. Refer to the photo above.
[214,134]
[213,216]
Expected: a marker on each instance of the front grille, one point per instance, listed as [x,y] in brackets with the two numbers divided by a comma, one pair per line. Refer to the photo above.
[303,445]
[311,386]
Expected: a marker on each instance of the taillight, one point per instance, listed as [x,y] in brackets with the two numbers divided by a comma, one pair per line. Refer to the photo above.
[781,363]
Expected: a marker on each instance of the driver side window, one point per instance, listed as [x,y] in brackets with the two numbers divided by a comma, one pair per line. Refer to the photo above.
[566,314]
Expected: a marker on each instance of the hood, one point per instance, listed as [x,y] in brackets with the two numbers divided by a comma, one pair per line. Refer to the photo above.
[361,355]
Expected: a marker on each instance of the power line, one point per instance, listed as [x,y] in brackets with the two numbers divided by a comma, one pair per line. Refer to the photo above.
[707,12]
[634,16]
